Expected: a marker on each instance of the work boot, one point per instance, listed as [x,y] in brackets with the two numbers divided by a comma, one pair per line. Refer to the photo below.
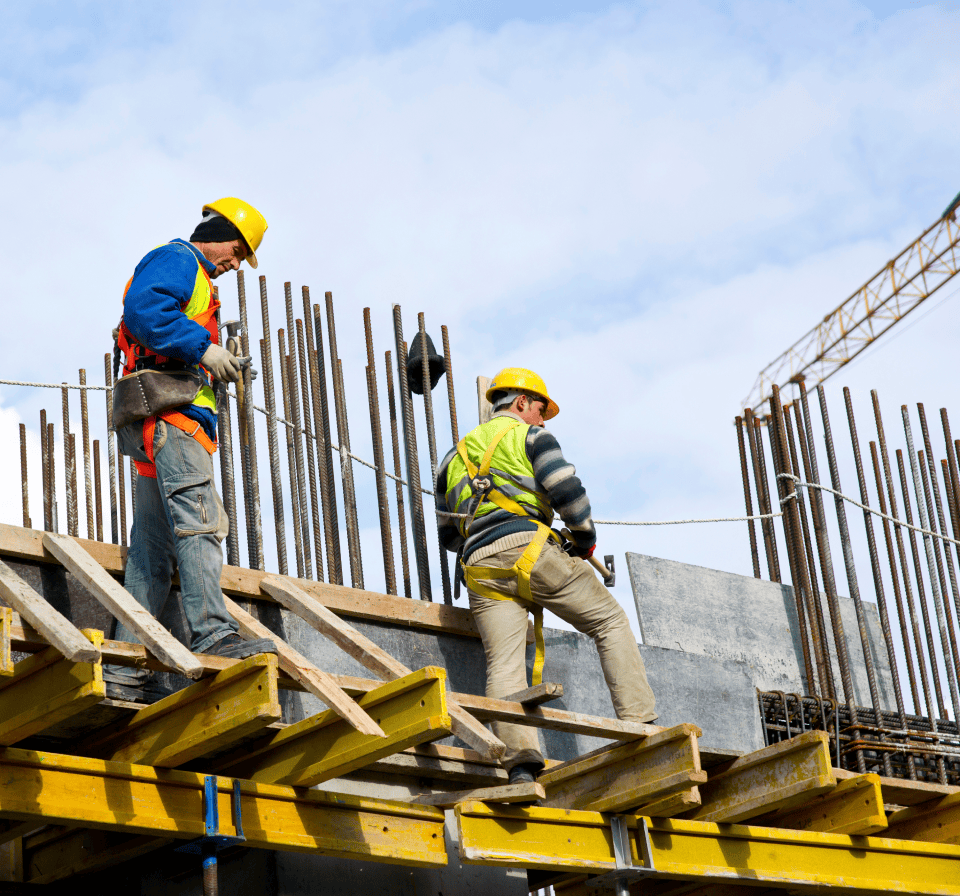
[148,691]
[234,647]
[525,773]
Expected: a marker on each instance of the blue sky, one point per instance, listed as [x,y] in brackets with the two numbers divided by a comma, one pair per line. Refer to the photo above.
[644,202]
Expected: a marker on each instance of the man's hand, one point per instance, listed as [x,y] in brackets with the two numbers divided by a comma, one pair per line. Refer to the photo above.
[581,553]
[222,364]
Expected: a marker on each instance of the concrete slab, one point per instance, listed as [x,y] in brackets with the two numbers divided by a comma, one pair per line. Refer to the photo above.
[732,617]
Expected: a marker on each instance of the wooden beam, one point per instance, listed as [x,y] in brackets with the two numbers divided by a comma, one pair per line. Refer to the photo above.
[936,821]
[314,680]
[44,690]
[204,718]
[372,656]
[410,710]
[122,604]
[902,792]
[140,799]
[506,793]
[59,631]
[413,765]
[6,623]
[671,806]
[854,806]
[627,775]
[79,851]
[540,693]
[780,776]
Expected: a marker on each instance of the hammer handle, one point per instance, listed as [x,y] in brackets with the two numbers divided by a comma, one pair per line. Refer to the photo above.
[593,561]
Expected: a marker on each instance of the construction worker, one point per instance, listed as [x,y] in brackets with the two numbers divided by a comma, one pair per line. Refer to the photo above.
[165,418]
[496,494]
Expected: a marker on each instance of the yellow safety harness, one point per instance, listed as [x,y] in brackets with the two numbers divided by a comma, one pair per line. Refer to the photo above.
[483,489]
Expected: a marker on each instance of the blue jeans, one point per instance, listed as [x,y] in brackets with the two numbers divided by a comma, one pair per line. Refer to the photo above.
[179,523]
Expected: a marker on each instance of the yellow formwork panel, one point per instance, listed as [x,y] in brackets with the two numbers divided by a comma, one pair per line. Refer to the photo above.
[561,840]
[139,799]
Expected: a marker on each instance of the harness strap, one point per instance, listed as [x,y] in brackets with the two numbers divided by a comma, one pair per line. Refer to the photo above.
[181,422]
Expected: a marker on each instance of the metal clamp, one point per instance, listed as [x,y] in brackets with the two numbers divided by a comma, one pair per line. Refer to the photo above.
[625,870]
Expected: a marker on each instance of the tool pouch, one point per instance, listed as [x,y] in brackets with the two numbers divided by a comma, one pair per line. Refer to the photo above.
[145,393]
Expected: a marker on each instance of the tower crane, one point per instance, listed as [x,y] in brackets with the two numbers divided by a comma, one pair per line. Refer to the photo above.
[899,287]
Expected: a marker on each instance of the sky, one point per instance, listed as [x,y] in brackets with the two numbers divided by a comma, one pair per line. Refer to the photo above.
[646,203]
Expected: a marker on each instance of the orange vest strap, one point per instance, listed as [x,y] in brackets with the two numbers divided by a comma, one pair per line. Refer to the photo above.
[148,470]
[190,427]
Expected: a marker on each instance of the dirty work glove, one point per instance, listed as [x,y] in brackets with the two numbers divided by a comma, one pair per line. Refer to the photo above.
[222,364]
[583,554]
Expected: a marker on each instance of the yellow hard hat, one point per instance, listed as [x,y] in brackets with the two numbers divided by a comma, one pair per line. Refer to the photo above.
[245,218]
[527,380]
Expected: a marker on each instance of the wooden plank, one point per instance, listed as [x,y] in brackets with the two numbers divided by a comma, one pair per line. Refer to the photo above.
[854,806]
[413,765]
[6,660]
[629,774]
[672,805]
[902,792]
[122,604]
[140,799]
[315,680]
[507,793]
[371,656]
[780,776]
[541,693]
[936,821]
[44,690]
[410,710]
[201,719]
[59,631]
[11,859]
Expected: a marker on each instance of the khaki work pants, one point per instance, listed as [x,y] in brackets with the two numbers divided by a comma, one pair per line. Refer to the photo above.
[570,589]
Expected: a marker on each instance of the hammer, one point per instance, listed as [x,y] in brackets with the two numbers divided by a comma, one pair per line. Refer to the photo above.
[606,569]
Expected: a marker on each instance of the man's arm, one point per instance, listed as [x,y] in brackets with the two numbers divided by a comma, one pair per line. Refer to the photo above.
[162,283]
[559,481]
[447,530]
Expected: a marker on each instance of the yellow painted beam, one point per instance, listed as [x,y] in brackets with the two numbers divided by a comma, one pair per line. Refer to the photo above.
[201,719]
[854,806]
[780,776]
[627,775]
[140,799]
[558,839]
[410,710]
[45,689]
[670,806]
[6,623]
[936,821]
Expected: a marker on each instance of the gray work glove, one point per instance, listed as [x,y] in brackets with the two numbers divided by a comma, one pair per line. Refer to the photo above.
[222,364]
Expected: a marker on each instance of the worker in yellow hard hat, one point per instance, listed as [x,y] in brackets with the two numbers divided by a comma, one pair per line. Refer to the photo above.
[165,417]
[496,495]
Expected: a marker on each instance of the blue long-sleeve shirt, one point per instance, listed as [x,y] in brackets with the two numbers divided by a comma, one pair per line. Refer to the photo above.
[162,284]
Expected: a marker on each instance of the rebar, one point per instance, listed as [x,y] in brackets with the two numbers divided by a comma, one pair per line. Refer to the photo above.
[73,485]
[248,445]
[925,523]
[111,449]
[227,478]
[755,444]
[97,488]
[748,500]
[331,519]
[874,555]
[401,516]
[432,445]
[954,471]
[24,488]
[311,451]
[122,498]
[291,454]
[376,434]
[52,479]
[448,369]
[273,445]
[68,463]
[87,469]
[44,475]
[134,479]
[414,491]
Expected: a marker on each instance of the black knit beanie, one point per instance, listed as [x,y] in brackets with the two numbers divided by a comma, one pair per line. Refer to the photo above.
[215,228]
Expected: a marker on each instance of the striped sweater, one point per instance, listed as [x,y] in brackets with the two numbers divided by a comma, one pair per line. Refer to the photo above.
[555,477]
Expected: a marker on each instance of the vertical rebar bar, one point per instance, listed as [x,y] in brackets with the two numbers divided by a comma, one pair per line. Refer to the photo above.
[311,451]
[323,473]
[44,471]
[376,433]
[52,478]
[24,487]
[270,395]
[954,472]
[111,450]
[68,462]
[448,369]
[414,490]
[134,478]
[940,709]
[248,445]
[291,453]
[401,516]
[73,485]
[755,444]
[87,469]
[932,561]
[331,519]
[122,498]
[432,445]
[97,489]
[227,478]
[874,557]
[748,500]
